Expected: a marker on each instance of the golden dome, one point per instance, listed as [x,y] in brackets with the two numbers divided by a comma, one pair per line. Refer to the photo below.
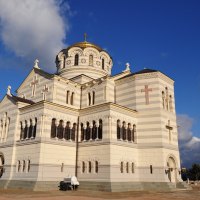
[84,45]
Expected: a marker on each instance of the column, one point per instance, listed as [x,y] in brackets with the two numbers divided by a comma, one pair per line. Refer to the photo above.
[64,126]
[84,132]
[91,126]
[97,126]
[70,132]
[131,130]
[126,133]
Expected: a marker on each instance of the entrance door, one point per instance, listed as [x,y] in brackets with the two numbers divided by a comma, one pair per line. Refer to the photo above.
[172,173]
[1,164]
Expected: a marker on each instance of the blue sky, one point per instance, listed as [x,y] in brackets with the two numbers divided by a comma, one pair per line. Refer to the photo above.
[156,34]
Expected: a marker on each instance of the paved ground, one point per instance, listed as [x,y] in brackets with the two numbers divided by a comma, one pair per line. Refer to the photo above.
[93,195]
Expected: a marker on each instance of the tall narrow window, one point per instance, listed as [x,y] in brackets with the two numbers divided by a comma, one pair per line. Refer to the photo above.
[96,167]
[19,166]
[132,168]
[91,60]
[30,129]
[60,130]
[121,167]
[82,132]
[89,99]
[133,133]
[28,165]
[94,130]
[93,97]
[83,167]
[88,131]
[24,166]
[127,167]
[163,99]
[67,135]
[129,132]
[76,59]
[118,129]
[89,167]
[25,130]
[72,99]
[151,169]
[35,128]
[124,130]
[53,128]
[103,63]
[67,97]
[100,131]
[73,132]
[64,59]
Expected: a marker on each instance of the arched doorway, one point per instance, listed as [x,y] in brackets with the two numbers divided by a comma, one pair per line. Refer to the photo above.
[172,172]
[1,164]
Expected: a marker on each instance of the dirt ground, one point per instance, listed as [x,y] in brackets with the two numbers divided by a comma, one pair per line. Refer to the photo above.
[97,195]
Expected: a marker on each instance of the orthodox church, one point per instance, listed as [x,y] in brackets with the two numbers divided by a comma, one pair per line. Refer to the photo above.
[114,132]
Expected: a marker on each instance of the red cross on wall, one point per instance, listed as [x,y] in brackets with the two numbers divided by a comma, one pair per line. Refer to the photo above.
[146,90]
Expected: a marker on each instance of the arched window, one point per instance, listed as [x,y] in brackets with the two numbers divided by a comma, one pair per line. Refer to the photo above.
[133,133]
[93,97]
[76,59]
[132,167]
[118,129]
[30,129]
[121,167]
[100,131]
[166,99]
[103,63]
[25,130]
[35,128]
[89,99]
[89,167]
[21,132]
[23,165]
[151,169]
[60,130]
[1,165]
[129,132]
[72,99]
[83,167]
[127,167]
[82,132]
[124,130]
[96,167]
[73,132]
[94,130]
[67,135]
[64,59]
[91,60]
[67,97]
[88,131]
[53,128]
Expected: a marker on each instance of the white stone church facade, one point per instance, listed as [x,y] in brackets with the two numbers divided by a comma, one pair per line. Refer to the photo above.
[115,133]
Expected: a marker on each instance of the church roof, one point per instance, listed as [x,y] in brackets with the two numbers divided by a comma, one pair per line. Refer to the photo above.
[140,72]
[19,99]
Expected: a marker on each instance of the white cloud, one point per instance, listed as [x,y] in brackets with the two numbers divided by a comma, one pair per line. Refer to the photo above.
[34,29]
[189,144]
